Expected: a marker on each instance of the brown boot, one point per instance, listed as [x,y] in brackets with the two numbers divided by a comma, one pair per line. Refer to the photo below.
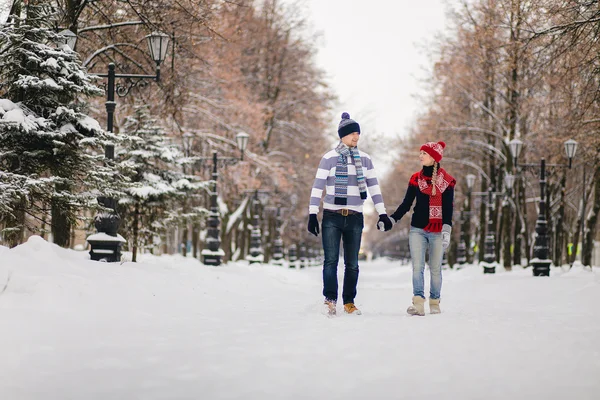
[350,308]
[417,307]
[434,306]
[331,311]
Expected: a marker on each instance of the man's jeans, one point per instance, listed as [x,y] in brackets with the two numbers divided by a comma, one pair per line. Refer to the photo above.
[349,230]
[420,241]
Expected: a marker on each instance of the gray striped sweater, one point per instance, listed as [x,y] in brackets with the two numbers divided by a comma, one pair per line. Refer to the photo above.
[325,179]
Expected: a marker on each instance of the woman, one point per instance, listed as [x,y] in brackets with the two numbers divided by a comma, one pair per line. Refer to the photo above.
[431,224]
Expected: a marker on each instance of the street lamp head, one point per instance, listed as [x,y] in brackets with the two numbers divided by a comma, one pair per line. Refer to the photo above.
[570,149]
[242,141]
[158,43]
[67,37]
[515,146]
[509,181]
[470,180]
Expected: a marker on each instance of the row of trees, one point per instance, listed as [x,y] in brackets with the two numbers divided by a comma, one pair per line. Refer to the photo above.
[528,70]
[233,66]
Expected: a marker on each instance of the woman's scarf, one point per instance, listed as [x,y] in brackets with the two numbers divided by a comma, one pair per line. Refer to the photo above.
[442,182]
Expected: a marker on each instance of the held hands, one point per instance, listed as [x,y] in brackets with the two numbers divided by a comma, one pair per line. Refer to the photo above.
[313,224]
[384,224]
[446,231]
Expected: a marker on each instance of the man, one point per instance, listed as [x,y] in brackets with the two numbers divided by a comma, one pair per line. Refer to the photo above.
[346,173]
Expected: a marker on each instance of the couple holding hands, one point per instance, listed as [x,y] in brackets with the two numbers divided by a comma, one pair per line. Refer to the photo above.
[346,173]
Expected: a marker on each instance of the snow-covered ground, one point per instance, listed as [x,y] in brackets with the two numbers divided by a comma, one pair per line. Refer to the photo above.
[171,328]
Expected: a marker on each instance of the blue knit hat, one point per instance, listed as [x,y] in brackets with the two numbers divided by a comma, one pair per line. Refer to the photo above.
[347,126]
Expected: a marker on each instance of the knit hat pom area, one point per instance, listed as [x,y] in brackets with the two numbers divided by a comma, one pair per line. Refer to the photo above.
[347,125]
[435,150]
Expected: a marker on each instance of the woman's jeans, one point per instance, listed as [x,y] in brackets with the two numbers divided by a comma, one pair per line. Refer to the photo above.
[420,241]
[349,229]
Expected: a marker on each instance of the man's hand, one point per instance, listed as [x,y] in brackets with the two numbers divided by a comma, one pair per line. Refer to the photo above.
[446,232]
[313,224]
[384,224]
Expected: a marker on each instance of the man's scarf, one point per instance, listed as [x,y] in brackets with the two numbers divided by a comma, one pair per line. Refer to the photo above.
[442,182]
[341,174]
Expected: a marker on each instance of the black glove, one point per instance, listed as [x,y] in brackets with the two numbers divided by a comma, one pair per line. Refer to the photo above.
[313,224]
[384,224]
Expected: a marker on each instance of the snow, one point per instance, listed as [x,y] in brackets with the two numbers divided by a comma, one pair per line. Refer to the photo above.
[103,237]
[236,216]
[89,124]
[171,328]
[156,187]
[15,113]
[68,128]
[51,63]
[7,105]
[5,6]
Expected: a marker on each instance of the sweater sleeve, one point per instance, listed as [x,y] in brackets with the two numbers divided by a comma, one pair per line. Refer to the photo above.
[318,186]
[409,197]
[448,205]
[373,186]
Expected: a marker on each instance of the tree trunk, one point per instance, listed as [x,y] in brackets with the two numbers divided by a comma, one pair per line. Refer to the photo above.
[136,222]
[506,224]
[575,238]
[525,230]
[226,239]
[517,237]
[61,220]
[195,238]
[559,237]
[482,229]
[184,239]
[592,221]
[14,229]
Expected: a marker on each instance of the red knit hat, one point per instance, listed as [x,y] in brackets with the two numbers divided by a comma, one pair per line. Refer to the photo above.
[435,150]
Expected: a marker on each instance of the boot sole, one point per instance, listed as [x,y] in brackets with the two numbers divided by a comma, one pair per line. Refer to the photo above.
[353,313]
[414,312]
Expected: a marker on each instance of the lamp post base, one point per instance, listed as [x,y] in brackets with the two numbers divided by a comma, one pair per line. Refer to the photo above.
[255,259]
[461,253]
[293,258]
[210,257]
[540,267]
[488,268]
[277,259]
[105,247]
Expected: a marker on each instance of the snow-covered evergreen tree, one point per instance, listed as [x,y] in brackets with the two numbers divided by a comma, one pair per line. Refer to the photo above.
[155,202]
[47,142]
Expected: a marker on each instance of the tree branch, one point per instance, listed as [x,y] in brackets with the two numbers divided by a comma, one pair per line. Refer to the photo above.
[110,26]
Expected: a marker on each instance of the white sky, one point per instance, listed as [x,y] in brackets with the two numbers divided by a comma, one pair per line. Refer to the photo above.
[169,328]
[372,53]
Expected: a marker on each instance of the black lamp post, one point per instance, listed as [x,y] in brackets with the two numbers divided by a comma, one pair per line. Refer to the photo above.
[302,255]
[292,255]
[256,252]
[489,254]
[465,217]
[540,261]
[489,262]
[106,243]
[213,253]
[571,148]
[278,242]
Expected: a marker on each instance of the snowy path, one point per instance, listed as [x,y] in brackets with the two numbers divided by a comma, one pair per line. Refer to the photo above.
[170,328]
